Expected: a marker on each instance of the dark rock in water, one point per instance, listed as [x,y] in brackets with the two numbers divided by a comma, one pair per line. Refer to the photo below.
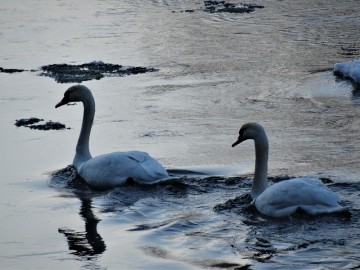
[11,70]
[64,73]
[50,125]
[26,122]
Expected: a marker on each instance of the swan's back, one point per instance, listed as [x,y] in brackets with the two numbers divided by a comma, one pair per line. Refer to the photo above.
[286,197]
[114,169]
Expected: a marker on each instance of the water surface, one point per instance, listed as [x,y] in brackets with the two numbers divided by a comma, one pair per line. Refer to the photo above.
[216,72]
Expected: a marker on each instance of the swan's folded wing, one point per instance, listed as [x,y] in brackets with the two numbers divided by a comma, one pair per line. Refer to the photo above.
[323,209]
[114,169]
[285,198]
[103,172]
[317,192]
[149,170]
[299,191]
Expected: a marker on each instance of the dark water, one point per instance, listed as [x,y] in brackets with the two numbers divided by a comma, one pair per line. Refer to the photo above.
[216,71]
[192,223]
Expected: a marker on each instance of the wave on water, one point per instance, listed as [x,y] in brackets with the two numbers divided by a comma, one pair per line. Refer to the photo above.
[213,215]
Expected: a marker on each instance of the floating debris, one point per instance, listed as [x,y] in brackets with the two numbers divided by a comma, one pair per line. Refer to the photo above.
[29,123]
[11,70]
[223,6]
[64,73]
[50,125]
[26,122]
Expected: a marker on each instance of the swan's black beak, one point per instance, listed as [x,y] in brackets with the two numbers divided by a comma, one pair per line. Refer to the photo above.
[240,140]
[62,102]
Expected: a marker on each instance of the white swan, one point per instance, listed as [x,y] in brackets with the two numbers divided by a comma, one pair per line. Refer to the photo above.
[286,197]
[108,170]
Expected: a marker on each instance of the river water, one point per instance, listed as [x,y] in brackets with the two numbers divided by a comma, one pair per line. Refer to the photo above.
[216,72]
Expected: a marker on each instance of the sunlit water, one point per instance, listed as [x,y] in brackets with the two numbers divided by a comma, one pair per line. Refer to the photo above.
[216,71]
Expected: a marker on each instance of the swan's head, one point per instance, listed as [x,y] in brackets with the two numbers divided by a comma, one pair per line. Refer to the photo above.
[249,131]
[74,94]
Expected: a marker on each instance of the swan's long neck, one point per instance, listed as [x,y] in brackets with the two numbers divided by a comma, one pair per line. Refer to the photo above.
[260,182]
[82,147]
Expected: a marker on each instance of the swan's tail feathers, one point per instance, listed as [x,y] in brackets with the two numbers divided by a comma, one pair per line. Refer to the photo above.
[186,172]
[313,210]
[164,180]
[319,210]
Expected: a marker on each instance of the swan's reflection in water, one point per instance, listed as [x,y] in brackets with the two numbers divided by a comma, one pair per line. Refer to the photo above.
[86,244]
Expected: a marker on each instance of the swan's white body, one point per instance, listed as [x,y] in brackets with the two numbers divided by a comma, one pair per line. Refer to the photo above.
[113,169]
[286,197]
